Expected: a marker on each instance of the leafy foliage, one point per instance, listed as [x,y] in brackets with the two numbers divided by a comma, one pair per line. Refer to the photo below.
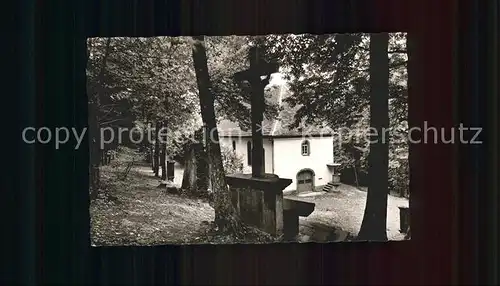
[227,56]
[233,163]
[150,79]
[145,80]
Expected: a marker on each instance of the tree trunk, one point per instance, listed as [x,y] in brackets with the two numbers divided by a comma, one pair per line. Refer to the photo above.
[149,145]
[356,173]
[202,172]
[205,159]
[156,158]
[163,161]
[196,176]
[163,155]
[151,156]
[374,222]
[226,217]
[190,168]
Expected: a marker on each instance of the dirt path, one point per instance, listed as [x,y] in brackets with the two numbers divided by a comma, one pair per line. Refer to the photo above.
[345,210]
[136,212]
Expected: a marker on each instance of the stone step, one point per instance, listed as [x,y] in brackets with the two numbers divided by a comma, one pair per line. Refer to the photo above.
[329,187]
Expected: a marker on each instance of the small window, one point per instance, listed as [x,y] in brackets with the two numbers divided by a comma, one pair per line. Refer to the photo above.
[249,153]
[305,148]
[234,145]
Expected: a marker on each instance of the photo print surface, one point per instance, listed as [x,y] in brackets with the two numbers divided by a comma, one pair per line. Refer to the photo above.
[248,139]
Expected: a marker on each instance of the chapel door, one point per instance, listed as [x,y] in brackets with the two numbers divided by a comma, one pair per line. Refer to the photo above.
[305,181]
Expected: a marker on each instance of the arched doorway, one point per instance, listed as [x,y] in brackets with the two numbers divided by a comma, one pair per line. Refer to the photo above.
[305,180]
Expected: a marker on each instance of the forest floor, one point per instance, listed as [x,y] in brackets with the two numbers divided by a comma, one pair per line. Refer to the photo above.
[133,210]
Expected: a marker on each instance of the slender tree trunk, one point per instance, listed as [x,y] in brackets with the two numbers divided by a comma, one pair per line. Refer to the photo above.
[356,173]
[163,161]
[149,145]
[226,217]
[163,156]
[374,222]
[94,133]
[156,158]
[151,148]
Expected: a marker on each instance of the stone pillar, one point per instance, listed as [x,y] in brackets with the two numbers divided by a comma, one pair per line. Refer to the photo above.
[259,201]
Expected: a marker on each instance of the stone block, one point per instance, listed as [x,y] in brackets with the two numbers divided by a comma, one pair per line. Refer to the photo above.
[259,201]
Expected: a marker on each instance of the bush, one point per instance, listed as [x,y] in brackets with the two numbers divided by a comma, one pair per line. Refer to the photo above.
[356,137]
[398,167]
[399,176]
[232,162]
